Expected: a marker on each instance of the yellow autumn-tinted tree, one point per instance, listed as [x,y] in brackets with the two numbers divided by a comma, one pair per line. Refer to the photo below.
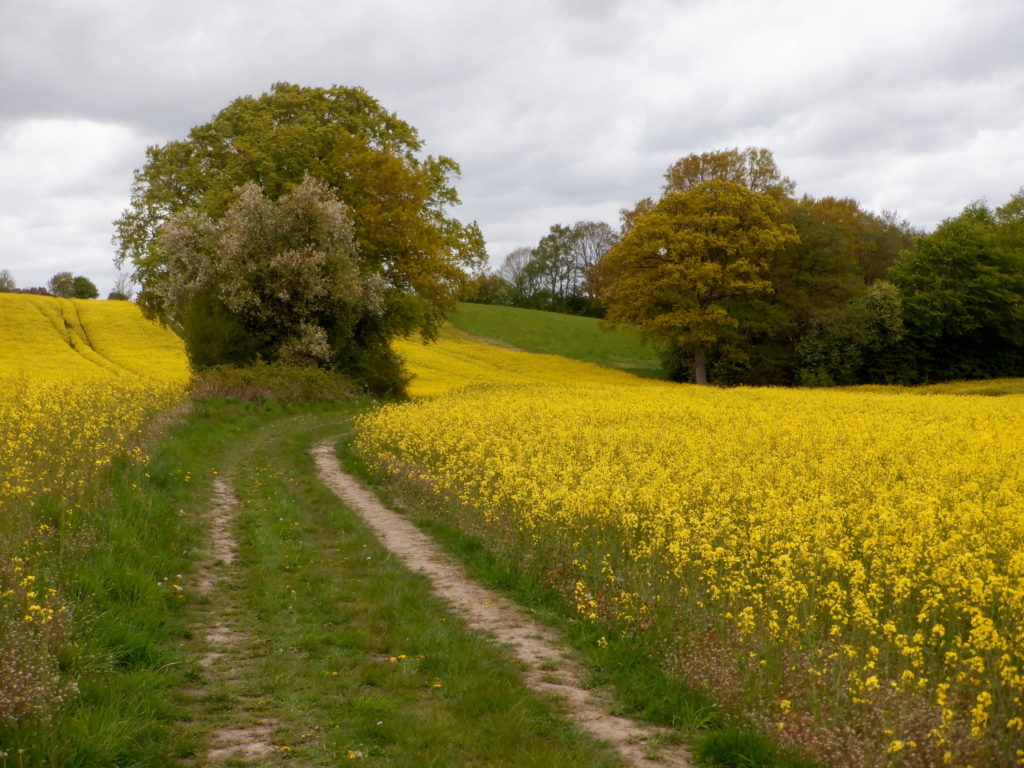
[673,273]
[753,168]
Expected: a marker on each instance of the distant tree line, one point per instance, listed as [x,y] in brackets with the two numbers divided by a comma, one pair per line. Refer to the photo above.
[737,281]
[553,275]
[66,285]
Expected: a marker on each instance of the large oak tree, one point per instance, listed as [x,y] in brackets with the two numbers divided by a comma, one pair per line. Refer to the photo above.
[676,268]
[399,200]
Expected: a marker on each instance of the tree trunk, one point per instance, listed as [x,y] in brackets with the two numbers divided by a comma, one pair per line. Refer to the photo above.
[700,366]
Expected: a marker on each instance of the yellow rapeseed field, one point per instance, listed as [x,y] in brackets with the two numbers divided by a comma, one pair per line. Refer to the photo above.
[78,382]
[846,568]
[77,379]
[457,360]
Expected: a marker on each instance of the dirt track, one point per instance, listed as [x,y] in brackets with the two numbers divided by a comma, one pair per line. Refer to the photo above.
[548,665]
[224,638]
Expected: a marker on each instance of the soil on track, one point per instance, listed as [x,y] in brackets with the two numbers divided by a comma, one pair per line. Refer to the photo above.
[549,667]
[248,737]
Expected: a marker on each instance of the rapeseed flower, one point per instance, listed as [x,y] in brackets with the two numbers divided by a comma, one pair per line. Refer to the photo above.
[871,543]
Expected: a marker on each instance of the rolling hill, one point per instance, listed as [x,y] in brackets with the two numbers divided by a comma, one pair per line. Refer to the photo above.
[50,338]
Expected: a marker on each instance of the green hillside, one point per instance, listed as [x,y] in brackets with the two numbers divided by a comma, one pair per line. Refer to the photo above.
[580,338]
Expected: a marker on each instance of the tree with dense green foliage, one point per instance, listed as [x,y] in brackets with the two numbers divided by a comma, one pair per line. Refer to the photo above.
[856,343]
[84,288]
[963,295]
[675,270]
[841,252]
[398,200]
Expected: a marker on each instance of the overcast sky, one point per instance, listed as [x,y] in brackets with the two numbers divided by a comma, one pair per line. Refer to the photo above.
[557,110]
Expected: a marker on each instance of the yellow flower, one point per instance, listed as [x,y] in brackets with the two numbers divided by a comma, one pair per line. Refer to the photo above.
[870,540]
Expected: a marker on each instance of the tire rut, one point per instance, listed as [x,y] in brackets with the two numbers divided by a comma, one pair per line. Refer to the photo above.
[247,737]
[549,667]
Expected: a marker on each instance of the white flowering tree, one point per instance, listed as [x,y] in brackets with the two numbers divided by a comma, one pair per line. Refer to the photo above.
[274,280]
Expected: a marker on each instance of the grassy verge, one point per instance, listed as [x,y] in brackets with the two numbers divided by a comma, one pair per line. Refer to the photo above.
[579,338]
[121,550]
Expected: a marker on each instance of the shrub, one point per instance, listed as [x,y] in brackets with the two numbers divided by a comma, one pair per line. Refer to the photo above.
[260,382]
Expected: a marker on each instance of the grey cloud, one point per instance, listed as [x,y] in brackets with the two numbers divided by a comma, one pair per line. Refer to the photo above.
[555,110]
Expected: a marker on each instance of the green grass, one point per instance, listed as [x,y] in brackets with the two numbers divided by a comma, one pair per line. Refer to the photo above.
[733,747]
[579,338]
[129,543]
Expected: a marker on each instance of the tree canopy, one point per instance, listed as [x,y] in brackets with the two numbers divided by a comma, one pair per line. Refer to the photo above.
[61,285]
[963,288]
[84,288]
[272,279]
[674,271]
[398,200]
[66,285]
[753,168]
[816,283]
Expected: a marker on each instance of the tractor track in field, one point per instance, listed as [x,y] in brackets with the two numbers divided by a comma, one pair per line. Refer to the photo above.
[549,666]
[247,736]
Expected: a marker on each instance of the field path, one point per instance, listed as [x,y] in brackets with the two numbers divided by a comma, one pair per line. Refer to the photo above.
[246,735]
[548,666]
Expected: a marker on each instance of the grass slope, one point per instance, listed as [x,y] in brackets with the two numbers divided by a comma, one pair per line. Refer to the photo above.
[580,338]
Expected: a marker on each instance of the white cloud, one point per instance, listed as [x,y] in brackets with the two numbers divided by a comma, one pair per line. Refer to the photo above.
[64,182]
